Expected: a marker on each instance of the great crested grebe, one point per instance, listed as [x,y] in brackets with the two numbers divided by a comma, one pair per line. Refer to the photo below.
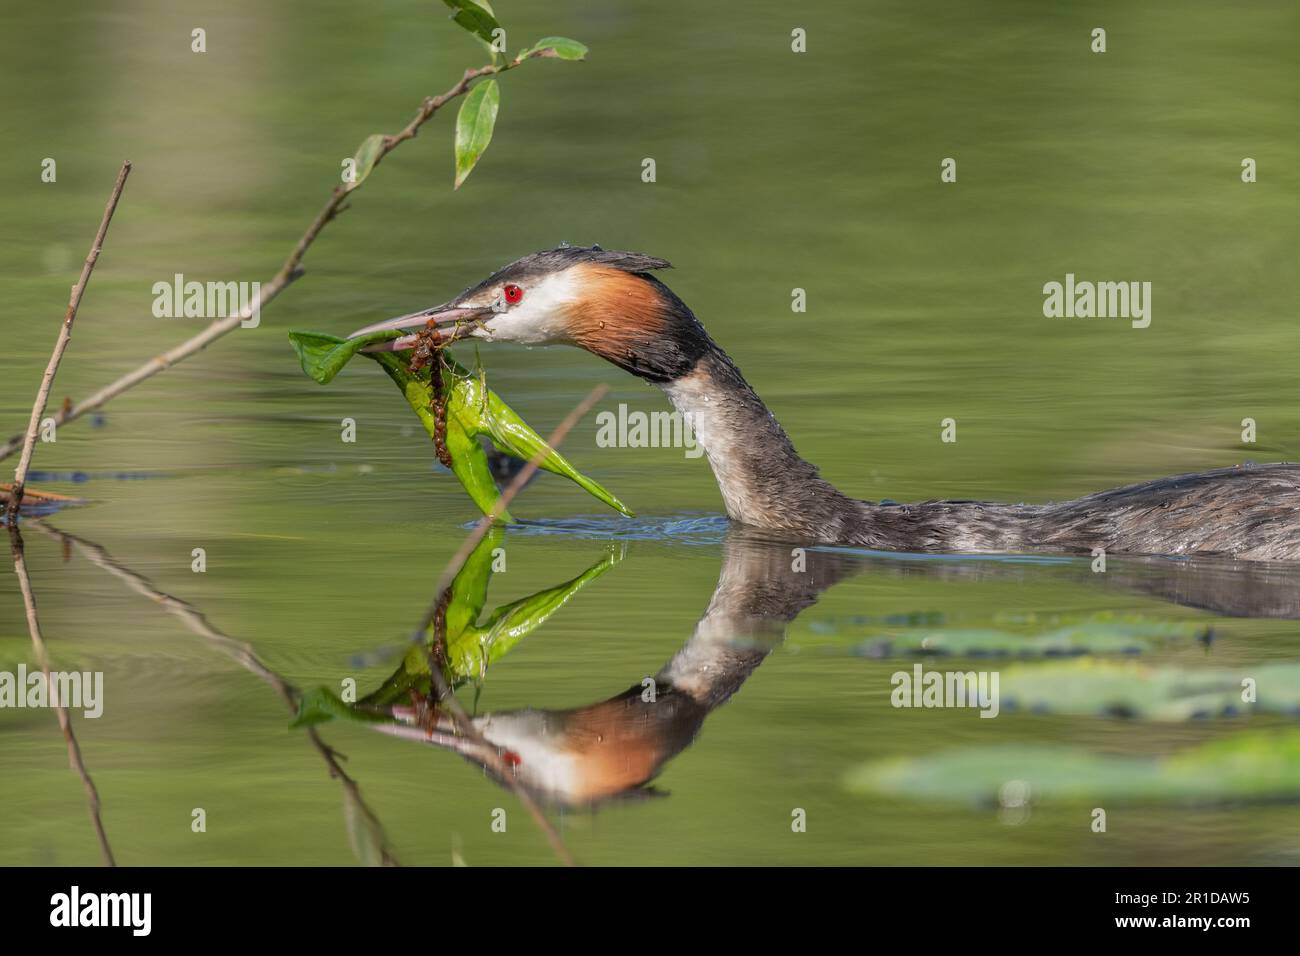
[609,304]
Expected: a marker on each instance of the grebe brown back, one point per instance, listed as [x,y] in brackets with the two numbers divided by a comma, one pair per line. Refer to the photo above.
[609,304]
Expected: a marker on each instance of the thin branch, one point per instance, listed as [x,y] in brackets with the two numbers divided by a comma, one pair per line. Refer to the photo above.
[289,271]
[61,345]
[38,497]
[239,651]
[443,692]
[65,721]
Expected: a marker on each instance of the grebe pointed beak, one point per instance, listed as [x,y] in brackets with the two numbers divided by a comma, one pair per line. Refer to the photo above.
[453,321]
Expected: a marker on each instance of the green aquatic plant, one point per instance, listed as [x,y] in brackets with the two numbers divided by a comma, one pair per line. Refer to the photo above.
[470,411]
[470,642]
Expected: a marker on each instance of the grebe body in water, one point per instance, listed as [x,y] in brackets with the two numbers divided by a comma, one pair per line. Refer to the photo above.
[609,304]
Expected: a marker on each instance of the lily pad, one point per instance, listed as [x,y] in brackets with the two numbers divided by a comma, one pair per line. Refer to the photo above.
[1130,689]
[1254,766]
[1103,634]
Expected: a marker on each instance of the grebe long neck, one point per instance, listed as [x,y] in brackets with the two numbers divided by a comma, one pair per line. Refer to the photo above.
[764,482]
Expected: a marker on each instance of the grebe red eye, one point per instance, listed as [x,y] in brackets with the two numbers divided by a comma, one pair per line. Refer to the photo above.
[513,293]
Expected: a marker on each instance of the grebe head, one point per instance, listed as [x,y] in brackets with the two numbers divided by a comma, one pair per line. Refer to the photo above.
[603,301]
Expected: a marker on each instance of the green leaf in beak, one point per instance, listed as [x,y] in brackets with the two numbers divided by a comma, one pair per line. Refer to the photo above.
[469,461]
[323,355]
[482,412]
[322,704]
[472,411]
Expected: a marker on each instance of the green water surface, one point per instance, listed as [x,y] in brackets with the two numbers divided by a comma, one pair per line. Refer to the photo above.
[775,171]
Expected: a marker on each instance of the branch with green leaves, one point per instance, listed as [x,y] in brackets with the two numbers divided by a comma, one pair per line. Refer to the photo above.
[474,126]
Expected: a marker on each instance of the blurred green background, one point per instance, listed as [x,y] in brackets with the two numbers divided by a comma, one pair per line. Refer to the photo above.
[775,170]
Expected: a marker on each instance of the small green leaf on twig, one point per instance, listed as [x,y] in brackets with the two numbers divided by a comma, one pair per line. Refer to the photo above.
[561,48]
[474,123]
[477,18]
[366,156]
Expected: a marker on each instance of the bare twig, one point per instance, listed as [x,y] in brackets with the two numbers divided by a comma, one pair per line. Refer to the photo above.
[65,721]
[289,271]
[37,497]
[239,651]
[464,726]
[61,345]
